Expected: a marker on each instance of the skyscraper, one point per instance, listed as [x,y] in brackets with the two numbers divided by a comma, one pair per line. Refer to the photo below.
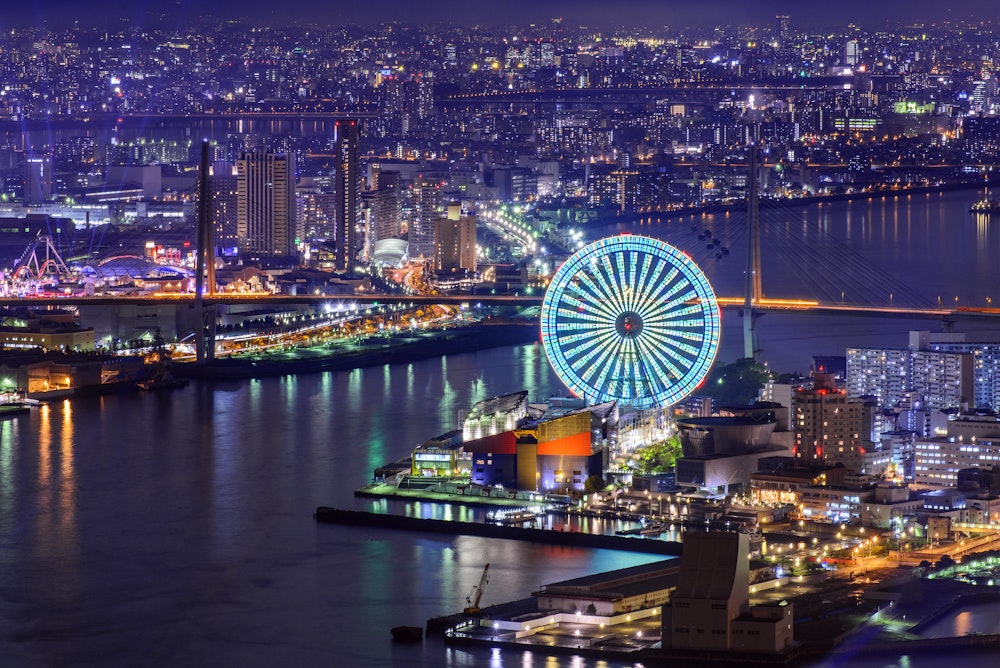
[265,204]
[348,191]
[783,25]
[427,203]
[38,178]
[224,185]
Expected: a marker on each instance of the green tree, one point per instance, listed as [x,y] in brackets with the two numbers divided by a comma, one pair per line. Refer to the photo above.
[736,384]
[658,457]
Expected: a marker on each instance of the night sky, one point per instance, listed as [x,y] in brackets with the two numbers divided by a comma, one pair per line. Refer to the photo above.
[600,13]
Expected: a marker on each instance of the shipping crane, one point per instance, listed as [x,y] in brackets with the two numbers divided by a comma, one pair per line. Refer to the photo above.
[472,600]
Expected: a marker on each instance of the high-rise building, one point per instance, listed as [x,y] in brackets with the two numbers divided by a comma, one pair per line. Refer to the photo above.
[38,178]
[828,427]
[946,377]
[224,185]
[387,208]
[317,213]
[427,200]
[455,241]
[783,29]
[852,53]
[348,191]
[883,373]
[265,204]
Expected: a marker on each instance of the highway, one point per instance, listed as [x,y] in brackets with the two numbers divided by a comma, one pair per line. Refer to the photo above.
[763,305]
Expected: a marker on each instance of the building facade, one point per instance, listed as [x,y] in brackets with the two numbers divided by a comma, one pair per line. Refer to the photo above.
[348,193]
[266,204]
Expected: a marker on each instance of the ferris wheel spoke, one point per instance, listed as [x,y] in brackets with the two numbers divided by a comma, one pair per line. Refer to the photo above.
[645,283]
[595,306]
[677,349]
[586,350]
[671,362]
[602,296]
[650,370]
[601,373]
[618,367]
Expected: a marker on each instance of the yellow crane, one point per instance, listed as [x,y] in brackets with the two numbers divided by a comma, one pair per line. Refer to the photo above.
[472,600]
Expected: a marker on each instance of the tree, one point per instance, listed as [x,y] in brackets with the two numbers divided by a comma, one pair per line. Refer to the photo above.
[658,457]
[594,483]
[736,384]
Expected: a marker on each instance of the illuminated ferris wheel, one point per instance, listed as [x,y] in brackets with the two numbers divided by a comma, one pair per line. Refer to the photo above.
[631,319]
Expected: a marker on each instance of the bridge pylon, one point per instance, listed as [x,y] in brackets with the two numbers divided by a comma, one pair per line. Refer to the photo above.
[205,315]
[754,291]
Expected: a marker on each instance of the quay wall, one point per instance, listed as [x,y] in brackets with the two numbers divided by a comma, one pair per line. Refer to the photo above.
[567,538]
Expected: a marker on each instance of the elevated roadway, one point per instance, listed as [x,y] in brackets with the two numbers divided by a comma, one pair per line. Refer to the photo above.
[764,305]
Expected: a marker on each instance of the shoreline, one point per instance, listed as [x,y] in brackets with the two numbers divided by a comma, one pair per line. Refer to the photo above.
[798,202]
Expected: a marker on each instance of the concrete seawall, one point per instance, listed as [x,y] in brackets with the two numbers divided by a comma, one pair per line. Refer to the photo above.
[542,536]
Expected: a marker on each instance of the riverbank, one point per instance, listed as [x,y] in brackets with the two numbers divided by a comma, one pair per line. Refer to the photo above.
[374,351]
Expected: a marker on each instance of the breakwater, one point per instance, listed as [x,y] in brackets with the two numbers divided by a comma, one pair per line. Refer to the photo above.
[544,536]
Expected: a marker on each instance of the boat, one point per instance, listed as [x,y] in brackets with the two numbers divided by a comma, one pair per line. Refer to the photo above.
[986,206]
[654,529]
[407,633]
[13,409]
[517,516]
[163,383]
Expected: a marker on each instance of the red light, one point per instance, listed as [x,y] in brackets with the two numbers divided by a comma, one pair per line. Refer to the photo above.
[187,244]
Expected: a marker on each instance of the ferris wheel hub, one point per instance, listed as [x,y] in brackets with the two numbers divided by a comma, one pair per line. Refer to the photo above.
[629,324]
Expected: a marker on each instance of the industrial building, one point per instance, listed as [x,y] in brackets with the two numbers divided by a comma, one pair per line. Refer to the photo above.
[710,608]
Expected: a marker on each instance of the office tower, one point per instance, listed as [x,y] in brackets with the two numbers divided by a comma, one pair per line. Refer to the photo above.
[455,241]
[348,191]
[224,185]
[265,204]
[38,179]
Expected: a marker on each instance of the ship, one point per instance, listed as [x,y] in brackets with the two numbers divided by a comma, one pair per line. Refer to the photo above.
[986,206]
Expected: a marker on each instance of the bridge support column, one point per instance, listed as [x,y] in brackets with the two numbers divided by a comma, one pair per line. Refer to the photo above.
[204,334]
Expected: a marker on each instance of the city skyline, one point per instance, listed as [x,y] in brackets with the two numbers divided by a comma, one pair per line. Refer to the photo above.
[595,13]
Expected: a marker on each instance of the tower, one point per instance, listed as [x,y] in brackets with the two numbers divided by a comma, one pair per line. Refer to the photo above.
[265,204]
[348,192]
